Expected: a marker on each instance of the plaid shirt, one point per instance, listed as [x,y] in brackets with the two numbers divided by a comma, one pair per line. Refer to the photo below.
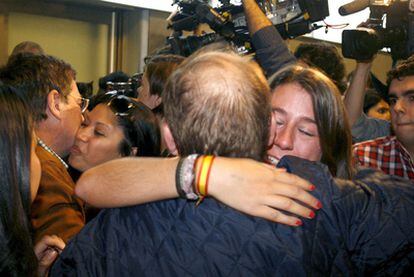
[386,154]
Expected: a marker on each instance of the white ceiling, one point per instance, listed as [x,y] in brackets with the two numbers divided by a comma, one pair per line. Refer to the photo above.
[160,5]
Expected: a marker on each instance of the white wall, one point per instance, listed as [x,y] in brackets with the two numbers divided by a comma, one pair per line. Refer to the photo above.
[334,18]
[83,45]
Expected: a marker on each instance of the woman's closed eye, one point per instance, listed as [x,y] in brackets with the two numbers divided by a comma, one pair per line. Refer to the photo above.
[99,133]
[279,122]
[306,132]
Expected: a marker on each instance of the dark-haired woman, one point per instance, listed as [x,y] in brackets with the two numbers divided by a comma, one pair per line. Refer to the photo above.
[20,177]
[375,106]
[155,76]
[115,126]
[157,71]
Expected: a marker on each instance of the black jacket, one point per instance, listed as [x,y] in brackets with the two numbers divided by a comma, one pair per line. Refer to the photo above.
[365,227]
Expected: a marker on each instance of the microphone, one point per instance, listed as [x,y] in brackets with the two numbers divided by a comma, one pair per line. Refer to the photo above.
[353,7]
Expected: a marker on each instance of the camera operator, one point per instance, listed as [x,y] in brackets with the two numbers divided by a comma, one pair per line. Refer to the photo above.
[393,155]
[363,127]
[271,51]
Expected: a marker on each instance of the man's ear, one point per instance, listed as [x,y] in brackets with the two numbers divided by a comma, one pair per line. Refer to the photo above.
[53,104]
[168,138]
[158,100]
[272,131]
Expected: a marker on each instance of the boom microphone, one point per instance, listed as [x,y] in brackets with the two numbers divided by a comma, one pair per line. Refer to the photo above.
[353,7]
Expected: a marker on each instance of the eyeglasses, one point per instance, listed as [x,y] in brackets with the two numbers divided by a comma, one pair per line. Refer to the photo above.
[84,103]
[120,104]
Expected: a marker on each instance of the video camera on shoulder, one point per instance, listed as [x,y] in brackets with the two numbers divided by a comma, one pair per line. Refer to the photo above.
[390,25]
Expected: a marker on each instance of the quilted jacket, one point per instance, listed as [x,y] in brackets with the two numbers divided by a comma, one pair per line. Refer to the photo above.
[365,227]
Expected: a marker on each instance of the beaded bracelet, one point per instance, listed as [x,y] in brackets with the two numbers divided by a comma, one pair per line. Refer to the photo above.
[184,177]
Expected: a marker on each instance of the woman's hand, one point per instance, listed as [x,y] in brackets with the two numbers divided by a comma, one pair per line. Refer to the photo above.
[262,190]
[47,250]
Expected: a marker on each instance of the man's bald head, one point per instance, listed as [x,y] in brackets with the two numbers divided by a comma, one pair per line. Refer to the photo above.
[218,103]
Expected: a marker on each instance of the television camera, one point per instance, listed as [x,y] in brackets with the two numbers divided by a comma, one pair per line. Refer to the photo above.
[292,18]
[390,25]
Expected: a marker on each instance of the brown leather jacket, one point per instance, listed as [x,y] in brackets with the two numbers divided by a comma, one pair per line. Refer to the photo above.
[56,210]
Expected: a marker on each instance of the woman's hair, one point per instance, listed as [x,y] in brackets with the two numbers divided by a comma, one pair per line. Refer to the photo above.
[139,126]
[371,99]
[158,69]
[330,116]
[16,256]
[28,47]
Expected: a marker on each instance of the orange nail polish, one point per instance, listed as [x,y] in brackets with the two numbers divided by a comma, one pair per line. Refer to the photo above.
[299,223]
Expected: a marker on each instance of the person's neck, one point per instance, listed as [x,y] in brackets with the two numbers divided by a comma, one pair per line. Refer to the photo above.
[410,149]
[50,138]
[411,152]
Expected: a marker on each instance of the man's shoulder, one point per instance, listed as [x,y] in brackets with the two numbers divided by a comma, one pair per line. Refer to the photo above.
[369,128]
[53,171]
[148,226]
[167,212]
[48,161]
[378,143]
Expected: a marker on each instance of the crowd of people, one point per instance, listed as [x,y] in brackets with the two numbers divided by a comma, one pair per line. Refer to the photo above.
[212,164]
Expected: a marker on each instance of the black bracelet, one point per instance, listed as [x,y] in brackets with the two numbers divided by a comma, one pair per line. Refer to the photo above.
[178,179]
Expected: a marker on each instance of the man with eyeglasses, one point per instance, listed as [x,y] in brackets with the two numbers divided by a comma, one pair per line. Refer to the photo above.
[57,107]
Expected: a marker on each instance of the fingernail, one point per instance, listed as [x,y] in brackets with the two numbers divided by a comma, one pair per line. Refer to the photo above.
[311,214]
[299,222]
[319,205]
[54,249]
[312,187]
[50,255]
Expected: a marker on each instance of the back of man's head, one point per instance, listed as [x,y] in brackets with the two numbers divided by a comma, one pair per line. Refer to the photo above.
[218,103]
[404,69]
[325,57]
[37,75]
